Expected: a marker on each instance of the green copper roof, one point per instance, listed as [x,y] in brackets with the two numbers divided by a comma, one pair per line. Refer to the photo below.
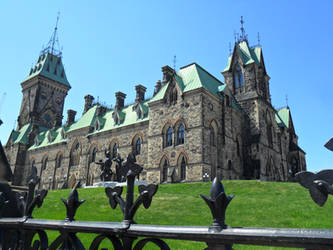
[128,117]
[86,120]
[191,77]
[49,137]
[247,54]
[49,66]
[282,117]
[22,135]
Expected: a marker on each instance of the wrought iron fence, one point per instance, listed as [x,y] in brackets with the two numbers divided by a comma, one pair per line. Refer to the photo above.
[18,230]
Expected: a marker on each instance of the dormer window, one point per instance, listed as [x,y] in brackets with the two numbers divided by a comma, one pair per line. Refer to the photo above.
[36,141]
[139,114]
[238,77]
[49,137]
[96,127]
[116,120]
[48,68]
[63,135]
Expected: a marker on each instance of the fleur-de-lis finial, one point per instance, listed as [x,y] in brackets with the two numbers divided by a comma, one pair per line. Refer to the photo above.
[72,203]
[130,169]
[218,203]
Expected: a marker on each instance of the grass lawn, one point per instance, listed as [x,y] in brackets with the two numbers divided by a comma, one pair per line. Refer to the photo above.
[256,204]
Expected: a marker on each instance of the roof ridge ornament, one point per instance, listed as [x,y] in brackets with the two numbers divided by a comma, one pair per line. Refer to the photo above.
[243,36]
[53,42]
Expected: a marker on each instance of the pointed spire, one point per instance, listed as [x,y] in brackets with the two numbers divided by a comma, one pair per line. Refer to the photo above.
[53,46]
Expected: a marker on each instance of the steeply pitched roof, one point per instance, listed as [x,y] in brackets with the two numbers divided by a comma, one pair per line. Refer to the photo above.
[191,77]
[21,135]
[282,117]
[248,55]
[49,66]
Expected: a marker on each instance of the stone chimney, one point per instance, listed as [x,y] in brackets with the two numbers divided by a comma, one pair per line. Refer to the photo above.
[70,117]
[140,93]
[100,111]
[168,73]
[120,99]
[88,100]
[158,87]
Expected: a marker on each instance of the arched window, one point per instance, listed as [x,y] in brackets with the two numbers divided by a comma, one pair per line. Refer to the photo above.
[136,145]
[93,153]
[180,134]
[269,129]
[169,137]
[75,155]
[212,136]
[164,170]
[183,169]
[238,77]
[44,163]
[175,95]
[59,161]
[114,150]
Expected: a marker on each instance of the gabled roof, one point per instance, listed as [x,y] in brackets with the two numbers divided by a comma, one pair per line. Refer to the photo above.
[42,138]
[282,117]
[21,136]
[87,119]
[248,55]
[49,66]
[192,77]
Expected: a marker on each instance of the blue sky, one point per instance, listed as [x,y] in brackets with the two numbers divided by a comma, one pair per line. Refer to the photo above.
[111,46]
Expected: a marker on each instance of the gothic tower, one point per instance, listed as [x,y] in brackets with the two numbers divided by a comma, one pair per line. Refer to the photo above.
[44,91]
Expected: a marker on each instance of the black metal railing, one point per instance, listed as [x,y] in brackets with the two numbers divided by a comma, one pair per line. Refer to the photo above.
[18,230]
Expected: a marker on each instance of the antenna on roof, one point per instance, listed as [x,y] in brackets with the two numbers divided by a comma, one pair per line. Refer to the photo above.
[243,36]
[174,63]
[54,41]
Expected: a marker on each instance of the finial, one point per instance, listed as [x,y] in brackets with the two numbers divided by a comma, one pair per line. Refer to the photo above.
[174,63]
[258,39]
[243,35]
[287,101]
[229,48]
[50,47]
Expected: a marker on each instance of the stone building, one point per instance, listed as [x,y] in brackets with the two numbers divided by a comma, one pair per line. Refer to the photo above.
[194,128]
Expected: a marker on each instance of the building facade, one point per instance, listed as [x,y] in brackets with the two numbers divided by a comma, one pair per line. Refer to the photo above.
[194,128]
